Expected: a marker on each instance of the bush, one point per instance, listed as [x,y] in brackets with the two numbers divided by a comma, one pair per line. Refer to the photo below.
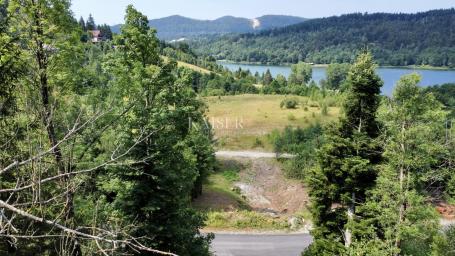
[444,244]
[303,143]
[451,187]
[258,143]
[291,117]
[289,104]
[231,175]
[324,110]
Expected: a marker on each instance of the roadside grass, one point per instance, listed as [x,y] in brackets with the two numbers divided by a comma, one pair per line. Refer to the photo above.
[245,220]
[240,121]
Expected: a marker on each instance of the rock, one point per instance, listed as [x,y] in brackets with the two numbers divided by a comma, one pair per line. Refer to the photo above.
[269,212]
[295,222]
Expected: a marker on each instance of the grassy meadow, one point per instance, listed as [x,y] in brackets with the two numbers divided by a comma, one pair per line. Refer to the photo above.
[244,122]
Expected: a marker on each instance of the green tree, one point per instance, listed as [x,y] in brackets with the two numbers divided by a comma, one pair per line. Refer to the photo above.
[50,57]
[414,142]
[268,79]
[301,73]
[154,194]
[336,75]
[444,244]
[347,163]
[106,32]
[90,24]
[82,24]
[281,81]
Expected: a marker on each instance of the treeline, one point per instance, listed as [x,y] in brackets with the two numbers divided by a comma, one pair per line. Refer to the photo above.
[376,174]
[394,39]
[224,82]
[102,146]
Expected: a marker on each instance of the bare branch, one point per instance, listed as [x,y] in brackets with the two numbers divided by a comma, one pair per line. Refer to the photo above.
[134,245]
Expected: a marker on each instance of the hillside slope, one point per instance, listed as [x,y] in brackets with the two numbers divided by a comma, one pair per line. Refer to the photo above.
[426,38]
[175,27]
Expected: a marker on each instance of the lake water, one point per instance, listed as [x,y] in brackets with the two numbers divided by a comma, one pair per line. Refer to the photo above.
[389,75]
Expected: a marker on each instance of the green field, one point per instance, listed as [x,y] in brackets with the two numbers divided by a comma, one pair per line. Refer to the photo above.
[244,121]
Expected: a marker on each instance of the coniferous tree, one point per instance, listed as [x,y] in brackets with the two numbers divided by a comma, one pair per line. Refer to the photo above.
[267,78]
[82,24]
[90,24]
[347,163]
[106,32]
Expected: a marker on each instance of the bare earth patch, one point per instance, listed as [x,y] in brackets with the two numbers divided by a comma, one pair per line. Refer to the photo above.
[267,190]
[252,194]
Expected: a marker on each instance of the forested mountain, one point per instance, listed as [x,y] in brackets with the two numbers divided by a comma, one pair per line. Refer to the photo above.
[426,38]
[175,27]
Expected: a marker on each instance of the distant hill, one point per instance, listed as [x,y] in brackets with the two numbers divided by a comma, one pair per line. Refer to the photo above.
[176,27]
[426,38]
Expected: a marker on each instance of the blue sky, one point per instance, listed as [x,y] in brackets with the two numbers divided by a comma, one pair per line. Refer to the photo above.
[112,11]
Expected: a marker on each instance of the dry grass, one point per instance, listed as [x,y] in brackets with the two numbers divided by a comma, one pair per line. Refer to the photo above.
[189,66]
[239,120]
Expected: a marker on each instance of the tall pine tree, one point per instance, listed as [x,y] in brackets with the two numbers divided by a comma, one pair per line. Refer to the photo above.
[90,24]
[347,163]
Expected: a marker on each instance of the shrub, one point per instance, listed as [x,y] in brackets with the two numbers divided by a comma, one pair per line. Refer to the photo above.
[303,143]
[314,104]
[258,143]
[289,104]
[324,110]
[291,117]
[231,175]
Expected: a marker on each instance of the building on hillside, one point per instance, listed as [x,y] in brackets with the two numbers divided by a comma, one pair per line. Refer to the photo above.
[95,36]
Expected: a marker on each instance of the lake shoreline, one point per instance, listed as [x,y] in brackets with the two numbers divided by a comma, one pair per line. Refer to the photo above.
[389,75]
[412,67]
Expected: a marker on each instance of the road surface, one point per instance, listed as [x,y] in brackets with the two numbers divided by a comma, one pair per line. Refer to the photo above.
[251,154]
[260,245]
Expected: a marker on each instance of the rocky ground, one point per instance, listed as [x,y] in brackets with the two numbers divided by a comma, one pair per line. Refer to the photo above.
[267,190]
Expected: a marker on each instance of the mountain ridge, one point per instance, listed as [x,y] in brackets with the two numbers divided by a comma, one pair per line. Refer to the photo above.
[177,26]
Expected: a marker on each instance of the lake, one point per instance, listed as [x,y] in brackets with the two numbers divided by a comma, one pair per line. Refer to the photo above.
[389,75]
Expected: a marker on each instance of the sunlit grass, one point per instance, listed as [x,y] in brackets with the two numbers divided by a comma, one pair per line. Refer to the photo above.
[239,120]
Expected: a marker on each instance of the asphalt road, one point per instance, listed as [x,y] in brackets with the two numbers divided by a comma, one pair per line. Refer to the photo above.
[260,245]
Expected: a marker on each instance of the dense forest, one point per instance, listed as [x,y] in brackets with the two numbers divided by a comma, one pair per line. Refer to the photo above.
[426,38]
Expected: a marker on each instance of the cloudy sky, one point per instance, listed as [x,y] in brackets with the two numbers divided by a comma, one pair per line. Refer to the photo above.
[112,11]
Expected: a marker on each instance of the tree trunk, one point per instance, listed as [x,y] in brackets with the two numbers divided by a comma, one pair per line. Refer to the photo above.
[350,213]
[402,192]
[42,60]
